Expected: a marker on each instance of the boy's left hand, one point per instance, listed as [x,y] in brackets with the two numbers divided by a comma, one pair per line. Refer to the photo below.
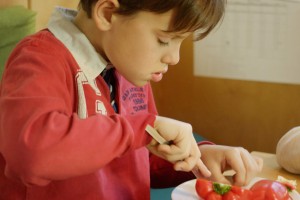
[219,159]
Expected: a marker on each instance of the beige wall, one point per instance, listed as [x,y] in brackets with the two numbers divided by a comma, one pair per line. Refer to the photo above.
[42,7]
[4,3]
[239,113]
[45,8]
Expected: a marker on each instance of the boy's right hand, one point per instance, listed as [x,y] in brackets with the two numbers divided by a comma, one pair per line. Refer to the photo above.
[183,150]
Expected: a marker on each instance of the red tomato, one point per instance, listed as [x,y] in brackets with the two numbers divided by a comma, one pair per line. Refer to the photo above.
[203,187]
[231,196]
[213,196]
[208,190]
[269,190]
[238,193]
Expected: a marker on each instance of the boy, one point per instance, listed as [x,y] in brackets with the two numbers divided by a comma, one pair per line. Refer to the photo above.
[75,101]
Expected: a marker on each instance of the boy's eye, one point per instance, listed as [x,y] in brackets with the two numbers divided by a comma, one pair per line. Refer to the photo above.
[162,42]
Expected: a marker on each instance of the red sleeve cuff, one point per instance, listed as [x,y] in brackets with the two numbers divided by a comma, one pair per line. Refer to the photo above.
[205,142]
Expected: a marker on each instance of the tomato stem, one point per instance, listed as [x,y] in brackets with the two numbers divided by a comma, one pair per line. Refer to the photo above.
[221,188]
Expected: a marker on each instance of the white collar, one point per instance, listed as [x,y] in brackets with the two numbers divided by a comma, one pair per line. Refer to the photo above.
[62,26]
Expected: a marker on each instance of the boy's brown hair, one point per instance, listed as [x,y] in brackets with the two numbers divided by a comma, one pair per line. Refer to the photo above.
[190,15]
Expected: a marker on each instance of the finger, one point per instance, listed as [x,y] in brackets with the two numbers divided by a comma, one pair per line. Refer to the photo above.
[186,145]
[252,166]
[175,152]
[153,142]
[235,161]
[186,164]
[217,175]
[181,165]
[153,150]
[201,167]
[259,161]
[189,162]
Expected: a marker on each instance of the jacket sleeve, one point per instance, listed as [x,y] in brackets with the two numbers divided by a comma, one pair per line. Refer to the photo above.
[41,138]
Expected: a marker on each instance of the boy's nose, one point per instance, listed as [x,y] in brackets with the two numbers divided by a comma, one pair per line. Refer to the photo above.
[171,57]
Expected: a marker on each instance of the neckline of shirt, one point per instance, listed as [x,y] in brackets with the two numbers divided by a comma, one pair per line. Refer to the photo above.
[62,26]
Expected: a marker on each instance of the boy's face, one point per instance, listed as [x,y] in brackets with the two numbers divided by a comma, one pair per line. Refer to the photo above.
[140,48]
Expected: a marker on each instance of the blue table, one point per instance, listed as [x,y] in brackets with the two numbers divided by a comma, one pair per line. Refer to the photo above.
[161,194]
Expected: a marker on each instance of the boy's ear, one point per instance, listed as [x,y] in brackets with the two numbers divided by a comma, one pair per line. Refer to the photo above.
[103,12]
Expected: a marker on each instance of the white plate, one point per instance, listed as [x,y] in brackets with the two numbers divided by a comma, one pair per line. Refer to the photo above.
[186,191]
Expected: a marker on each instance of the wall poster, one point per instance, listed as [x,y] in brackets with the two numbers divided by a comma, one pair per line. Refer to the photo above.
[258,40]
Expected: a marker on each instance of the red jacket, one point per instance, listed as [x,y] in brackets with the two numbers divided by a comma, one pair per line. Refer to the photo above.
[49,151]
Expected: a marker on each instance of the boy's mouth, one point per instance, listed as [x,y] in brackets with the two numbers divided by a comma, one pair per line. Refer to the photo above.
[157,76]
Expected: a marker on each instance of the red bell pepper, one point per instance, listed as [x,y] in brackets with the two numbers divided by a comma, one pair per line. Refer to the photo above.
[270,190]
[209,190]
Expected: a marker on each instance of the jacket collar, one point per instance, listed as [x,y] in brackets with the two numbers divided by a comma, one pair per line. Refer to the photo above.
[62,26]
